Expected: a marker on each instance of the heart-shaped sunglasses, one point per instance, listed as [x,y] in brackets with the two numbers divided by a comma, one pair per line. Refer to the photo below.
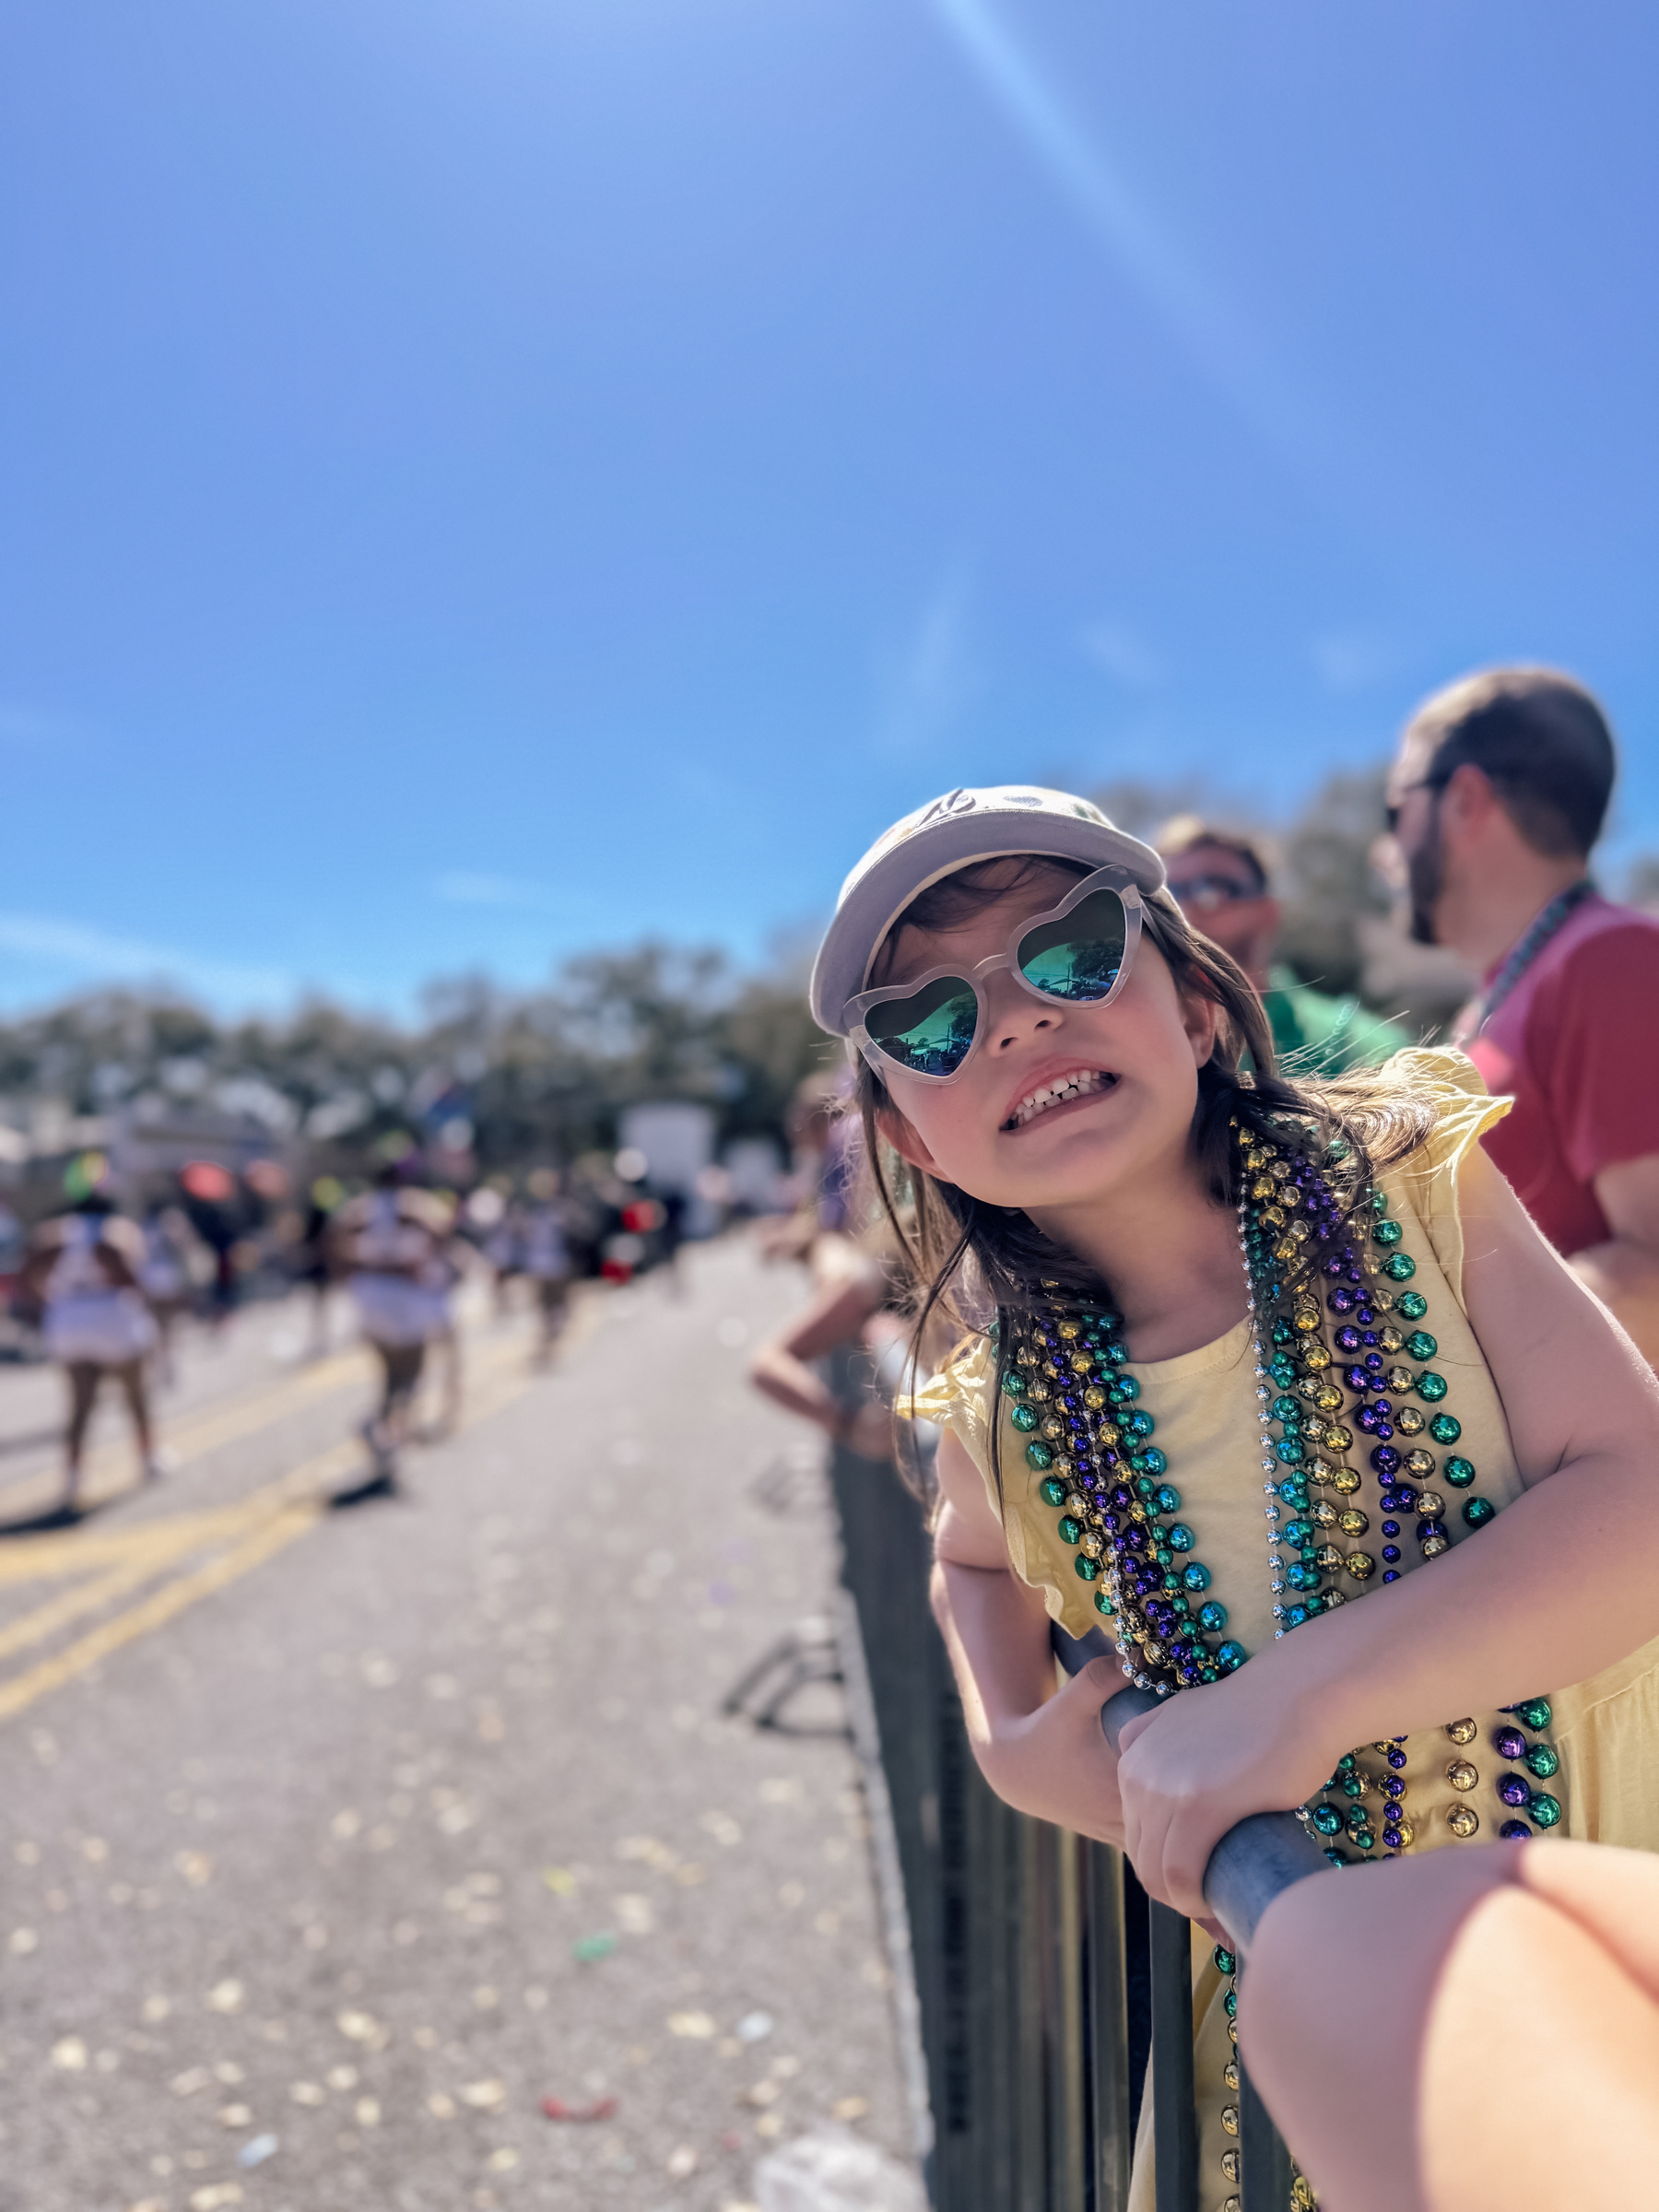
[1078,953]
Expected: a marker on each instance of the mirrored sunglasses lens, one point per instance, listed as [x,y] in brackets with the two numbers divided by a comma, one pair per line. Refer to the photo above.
[1079,955]
[929,1032]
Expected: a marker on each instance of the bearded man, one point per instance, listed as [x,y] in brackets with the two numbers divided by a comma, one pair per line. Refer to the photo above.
[1495,803]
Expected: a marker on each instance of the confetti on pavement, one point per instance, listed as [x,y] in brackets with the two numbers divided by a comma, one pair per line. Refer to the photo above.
[349,1811]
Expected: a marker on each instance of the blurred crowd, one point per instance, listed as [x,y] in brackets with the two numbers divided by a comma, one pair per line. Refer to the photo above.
[105,1292]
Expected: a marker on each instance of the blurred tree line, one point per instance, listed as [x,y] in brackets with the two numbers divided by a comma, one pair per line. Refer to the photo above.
[511,1076]
[546,1072]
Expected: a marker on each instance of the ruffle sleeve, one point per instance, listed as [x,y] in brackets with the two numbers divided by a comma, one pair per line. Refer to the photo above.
[1463,1111]
[960,1397]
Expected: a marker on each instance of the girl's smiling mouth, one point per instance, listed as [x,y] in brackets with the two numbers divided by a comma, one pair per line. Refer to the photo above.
[1054,1091]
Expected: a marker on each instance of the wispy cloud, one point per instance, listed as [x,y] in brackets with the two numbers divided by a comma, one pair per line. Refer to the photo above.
[1214,335]
[1351,660]
[515,895]
[80,950]
[461,888]
[936,674]
[1124,653]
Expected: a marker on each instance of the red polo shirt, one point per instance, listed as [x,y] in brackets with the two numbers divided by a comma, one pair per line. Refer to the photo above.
[1576,1044]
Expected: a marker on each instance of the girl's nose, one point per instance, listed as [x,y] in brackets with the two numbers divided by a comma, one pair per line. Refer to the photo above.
[1014,1015]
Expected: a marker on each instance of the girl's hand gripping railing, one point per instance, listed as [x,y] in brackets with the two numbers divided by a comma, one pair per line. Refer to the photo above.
[1255,1860]
[1252,1862]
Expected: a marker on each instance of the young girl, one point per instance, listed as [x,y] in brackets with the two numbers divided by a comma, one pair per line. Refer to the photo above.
[1240,1351]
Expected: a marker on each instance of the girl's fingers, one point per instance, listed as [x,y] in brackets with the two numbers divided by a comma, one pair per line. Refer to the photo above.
[1132,1729]
[1186,1893]
[1187,1849]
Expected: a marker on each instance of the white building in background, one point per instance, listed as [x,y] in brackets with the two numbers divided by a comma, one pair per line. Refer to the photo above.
[676,1137]
[754,1165]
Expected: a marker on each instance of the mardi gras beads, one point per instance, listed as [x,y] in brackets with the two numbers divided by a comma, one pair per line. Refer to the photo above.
[1090,1443]
[1339,1366]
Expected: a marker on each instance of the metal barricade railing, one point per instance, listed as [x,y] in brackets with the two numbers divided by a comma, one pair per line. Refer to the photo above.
[1043,1977]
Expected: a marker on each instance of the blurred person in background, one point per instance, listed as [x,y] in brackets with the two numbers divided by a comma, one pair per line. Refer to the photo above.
[164,1277]
[671,1235]
[442,1278]
[82,1273]
[14,1250]
[543,1255]
[492,1225]
[815,1140]
[209,1195]
[389,1244]
[823,1169]
[845,1361]
[854,1307]
[312,1266]
[1495,800]
[1220,883]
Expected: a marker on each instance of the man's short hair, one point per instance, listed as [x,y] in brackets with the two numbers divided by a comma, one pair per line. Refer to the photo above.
[1541,738]
[1186,833]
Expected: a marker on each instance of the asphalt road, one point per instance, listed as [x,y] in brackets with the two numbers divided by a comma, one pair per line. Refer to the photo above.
[334,1844]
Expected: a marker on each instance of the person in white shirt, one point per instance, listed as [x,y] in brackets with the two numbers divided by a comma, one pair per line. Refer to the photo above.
[390,1246]
[543,1255]
[164,1278]
[83,1270]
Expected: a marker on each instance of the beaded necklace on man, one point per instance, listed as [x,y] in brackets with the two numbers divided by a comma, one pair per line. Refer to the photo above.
[1089,1441]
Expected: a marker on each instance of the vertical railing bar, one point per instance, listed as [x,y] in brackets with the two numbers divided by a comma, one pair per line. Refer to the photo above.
[1106,2022]
[1030,2059]
[1068,2089]
[1174,2119]
[1264,2163]
[1137,1991]
[1088,2028]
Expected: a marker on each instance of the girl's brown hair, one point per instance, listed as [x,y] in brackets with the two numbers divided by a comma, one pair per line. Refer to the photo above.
[964,1257]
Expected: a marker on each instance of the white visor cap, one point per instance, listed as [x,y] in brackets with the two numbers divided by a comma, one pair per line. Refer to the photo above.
[947,834]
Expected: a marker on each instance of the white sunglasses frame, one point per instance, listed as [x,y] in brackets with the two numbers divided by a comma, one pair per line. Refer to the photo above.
[1103,879]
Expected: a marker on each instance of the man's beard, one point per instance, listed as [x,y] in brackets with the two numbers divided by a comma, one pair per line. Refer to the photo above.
[1424,874]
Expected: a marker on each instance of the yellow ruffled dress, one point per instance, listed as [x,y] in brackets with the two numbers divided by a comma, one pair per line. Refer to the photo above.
[1204,1403]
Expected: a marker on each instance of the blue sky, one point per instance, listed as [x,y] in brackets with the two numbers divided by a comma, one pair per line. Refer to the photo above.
[483,478]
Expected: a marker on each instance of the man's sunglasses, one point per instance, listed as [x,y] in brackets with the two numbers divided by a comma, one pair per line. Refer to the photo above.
[1393,811]
[1212,890]
[1079,953]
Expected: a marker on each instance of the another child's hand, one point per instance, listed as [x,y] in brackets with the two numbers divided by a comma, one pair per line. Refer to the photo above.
[1205,1761]
[1055,1764]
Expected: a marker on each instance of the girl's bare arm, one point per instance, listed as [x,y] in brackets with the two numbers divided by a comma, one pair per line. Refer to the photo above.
[1563,1584]
[1039,1747]
[1511,2048]
[779,1369]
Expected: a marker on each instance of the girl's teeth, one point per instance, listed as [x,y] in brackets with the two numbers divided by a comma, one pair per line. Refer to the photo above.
[1054,1094]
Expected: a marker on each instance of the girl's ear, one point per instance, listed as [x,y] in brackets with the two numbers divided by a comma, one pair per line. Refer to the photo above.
[1201,1018]
[903,1139]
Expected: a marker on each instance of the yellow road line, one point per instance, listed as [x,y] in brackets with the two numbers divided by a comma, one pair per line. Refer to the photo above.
[48,1558]
[278,1511]
[156,1610]
[89,1597]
